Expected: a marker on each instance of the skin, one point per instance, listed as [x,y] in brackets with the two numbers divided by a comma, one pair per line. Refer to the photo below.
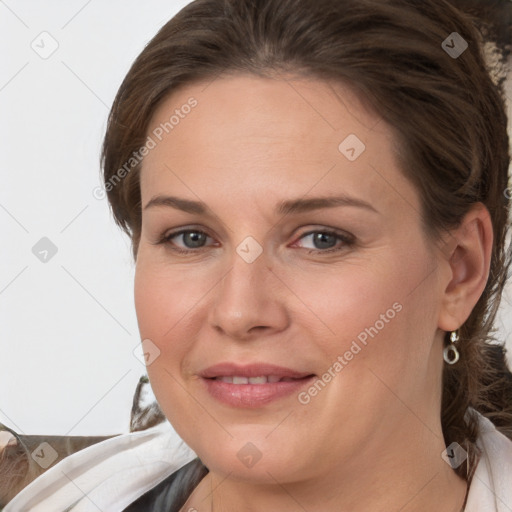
[371,439]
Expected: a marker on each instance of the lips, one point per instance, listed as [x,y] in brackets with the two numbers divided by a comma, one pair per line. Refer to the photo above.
[254,385]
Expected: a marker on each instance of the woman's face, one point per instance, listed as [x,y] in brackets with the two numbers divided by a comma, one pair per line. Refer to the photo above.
[306,262]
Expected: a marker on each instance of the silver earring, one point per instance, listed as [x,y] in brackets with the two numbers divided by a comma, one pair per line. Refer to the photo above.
[450,353]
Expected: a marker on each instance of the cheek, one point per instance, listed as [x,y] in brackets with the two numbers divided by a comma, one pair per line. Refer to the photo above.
[153,314]
[159,308]
[344,301]
[370,306]
[160,304]
[164,295]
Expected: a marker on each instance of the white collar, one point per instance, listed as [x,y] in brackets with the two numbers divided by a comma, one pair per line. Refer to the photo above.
[106,476]
[90,480]
[491,486]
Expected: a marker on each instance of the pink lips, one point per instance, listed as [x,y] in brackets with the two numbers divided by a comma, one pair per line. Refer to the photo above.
[246,386]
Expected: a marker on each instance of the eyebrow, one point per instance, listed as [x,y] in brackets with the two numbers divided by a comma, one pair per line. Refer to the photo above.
[284,208]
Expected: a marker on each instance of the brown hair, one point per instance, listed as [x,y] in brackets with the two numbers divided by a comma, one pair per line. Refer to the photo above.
[448,115]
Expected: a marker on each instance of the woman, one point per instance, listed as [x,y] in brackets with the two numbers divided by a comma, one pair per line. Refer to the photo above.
[318,201]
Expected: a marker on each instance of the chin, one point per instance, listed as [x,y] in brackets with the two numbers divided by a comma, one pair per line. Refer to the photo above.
[252,458]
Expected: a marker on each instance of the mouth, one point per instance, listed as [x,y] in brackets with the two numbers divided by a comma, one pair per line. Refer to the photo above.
[262,379]
[252,371]
[252,386]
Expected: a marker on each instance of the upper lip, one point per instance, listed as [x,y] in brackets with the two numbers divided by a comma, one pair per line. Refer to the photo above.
[228,369]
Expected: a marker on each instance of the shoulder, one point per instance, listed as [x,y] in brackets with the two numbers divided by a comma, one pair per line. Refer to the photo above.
[491,485]
[109,475]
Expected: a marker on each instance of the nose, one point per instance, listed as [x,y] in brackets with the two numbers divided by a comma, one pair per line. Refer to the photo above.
[249,301]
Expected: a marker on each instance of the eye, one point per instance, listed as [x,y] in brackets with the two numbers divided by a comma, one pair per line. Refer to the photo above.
[192,239]
[327,241]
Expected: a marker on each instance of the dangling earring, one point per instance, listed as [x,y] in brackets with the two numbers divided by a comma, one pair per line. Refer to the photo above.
[450,352]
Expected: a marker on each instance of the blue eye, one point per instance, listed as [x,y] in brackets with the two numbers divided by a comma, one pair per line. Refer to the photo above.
[192,238]
[325,241]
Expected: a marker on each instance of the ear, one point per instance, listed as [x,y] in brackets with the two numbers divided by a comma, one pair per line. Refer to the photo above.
[468,255]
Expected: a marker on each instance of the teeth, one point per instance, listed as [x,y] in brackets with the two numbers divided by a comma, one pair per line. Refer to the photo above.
[258,380]
[263,379]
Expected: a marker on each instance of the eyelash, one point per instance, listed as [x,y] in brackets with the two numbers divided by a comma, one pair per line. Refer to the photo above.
[347,240]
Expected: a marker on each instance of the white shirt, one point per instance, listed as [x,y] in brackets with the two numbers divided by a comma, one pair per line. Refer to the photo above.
[110,475]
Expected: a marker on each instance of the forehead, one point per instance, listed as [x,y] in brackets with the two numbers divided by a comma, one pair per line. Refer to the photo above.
[268,138]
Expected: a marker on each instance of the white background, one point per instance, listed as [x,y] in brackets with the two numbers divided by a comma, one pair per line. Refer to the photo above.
[68,326]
